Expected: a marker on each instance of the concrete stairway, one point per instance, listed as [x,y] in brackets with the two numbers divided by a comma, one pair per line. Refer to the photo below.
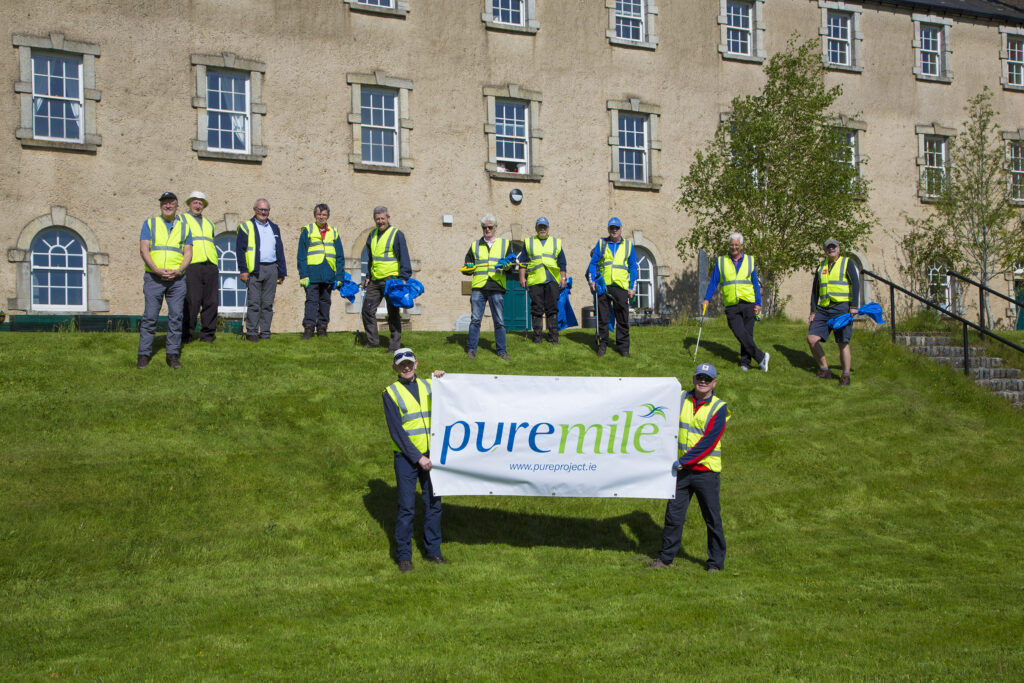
[987,371]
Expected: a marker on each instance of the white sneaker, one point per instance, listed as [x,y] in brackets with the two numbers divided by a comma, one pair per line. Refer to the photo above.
[764,361]
[744,368]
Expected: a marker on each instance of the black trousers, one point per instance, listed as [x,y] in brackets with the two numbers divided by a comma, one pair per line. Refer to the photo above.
[620,297]
[741,322]
[318,305]
[371,300]
[544,304]
[707,487]
[202,284]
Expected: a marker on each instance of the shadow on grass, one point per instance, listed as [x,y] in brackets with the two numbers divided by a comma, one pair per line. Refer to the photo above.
[799,359]
[585,338]
[720,351]
[483,344]
[634,532]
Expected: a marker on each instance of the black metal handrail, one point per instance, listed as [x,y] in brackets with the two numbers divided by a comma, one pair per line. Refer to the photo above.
[966,323]
[981,297]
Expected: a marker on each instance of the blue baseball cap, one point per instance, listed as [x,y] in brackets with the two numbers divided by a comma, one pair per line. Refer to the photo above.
[615,222]
[706,369]
[542,221]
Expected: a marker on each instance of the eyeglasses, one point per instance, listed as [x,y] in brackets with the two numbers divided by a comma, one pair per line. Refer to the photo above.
[831,247]
[405,358]
[488,227]
[267,210]
[702,379]
[614,228]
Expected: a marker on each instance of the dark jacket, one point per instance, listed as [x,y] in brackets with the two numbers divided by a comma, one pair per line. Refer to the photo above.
[241,242]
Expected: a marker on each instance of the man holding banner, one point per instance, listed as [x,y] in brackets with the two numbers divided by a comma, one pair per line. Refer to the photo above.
[407,411]
[702,421]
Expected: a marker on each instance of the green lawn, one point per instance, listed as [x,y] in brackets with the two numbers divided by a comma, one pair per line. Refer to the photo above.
[232,520]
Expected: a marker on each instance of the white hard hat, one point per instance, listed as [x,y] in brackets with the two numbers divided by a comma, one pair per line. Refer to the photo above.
[197,195]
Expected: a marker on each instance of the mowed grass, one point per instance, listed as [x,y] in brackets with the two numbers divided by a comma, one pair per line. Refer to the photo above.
[233,520]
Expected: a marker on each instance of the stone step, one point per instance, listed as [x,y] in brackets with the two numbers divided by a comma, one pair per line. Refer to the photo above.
[994,373]
[1014,385]
[943,350]
[915,339]
[976,361]
[1014,397]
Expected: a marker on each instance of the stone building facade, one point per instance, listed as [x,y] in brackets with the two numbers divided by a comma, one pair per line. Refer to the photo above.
[438,109]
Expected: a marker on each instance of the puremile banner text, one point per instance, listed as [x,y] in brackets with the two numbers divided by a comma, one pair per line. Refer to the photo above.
[554,436]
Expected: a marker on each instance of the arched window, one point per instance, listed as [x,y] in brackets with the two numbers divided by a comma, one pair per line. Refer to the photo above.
[58,267]
[232,289]
[646,290]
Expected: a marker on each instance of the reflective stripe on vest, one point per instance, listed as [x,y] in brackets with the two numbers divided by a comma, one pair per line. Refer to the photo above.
[736,286]
[692,425]
[166,247]
[319,249]
[203,247]
[833,286]
[248,228]
[615,267]
[415,414]
[540,258]
[487,262]
[382,249]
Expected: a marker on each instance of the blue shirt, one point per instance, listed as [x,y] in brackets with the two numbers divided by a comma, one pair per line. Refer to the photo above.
[595,256]
[716,276]
[268,245]
[147,235]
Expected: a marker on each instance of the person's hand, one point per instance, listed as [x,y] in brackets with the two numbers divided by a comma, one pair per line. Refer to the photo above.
[424,463]
[630,293]
[562,284]
[244,277]
[853,311]
[810,319]
[304,282]
[438,373]
[676,466]
[280,280]
[366,283]
[593,287]
[757,310]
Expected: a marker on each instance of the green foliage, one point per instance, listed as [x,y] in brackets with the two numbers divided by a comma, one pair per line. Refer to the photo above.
[778,171]
[972,226]
[232,521]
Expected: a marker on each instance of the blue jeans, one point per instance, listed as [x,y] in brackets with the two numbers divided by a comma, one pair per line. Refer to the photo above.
[476,306]
[154,291]
[406,475]
[706,486]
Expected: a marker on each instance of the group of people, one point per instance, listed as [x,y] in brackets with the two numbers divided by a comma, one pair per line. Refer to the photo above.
[180,258]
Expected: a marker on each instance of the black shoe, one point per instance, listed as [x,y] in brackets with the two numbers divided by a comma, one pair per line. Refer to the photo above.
[143,362]
[405,566]
[503,356]
[711,569]
[252,338]
[471,354]
[321,331]
[437,559]
[600,351]
[554,340]
[174,361]
[537,340]
[824,373]
[208,341]
[371,346]
[658,564]
[307,332]
[624,354]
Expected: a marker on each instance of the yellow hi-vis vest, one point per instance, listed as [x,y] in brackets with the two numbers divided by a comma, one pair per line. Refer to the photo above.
[167,247]
[382,249]
[415,414]
[319,249]
[692,425]
[203,247]
[248,228]
[736,286]
[542,255]
[615,268]
[487,262]
[833,286]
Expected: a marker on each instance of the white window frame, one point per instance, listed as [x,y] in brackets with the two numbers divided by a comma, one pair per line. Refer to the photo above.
[244,112]
[61,234]
[497,167]
[21,257]
[648,36]
[940,286]
[647,271]
[851,129]
[942,26]
[927,136]
[390,98]
[229,268]
[256,108]
[756,31]
[528,17]
[651,114]
[402,88]
[88,95]
[391,8]
[1011,57]
[1015,165]
[75,62]
[854,40]
[641,148]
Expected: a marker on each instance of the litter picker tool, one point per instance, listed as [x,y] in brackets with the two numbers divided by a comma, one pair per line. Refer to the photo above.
[703,310]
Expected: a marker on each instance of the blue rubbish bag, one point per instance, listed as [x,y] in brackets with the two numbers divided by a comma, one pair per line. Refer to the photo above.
[347,289]
[401,294]
[872,310]
[840,321]
[566,316]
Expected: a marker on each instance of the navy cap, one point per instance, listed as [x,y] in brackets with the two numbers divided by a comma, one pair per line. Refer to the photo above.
[168,197]
[706,369]
[614,222]
[542,221]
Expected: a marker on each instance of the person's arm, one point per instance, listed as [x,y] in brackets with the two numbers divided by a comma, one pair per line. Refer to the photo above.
[339,260]
[595,256]
[757,289]
[854,278]
[300,255]
[523,257]
[282,266]
[563,270]
[814,295]
[240,246]
[713,431]
[394,420]
[402,254]
[634,271]
[186,257]
[369,258]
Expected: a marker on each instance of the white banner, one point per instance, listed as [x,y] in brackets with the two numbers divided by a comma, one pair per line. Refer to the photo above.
[554,436]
